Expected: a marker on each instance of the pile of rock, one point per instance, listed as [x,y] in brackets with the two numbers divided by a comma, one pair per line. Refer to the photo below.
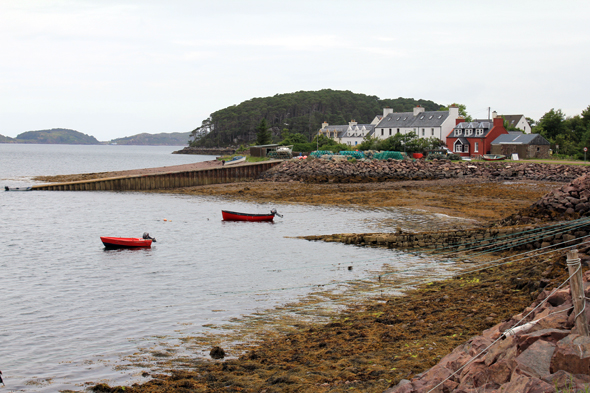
[323,171]
[567,202]
[548,356]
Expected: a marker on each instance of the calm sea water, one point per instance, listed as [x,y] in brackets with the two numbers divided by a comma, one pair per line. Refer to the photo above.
[71,310]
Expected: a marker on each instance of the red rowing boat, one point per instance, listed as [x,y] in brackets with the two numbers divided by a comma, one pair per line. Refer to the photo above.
[125,242]
[235,216]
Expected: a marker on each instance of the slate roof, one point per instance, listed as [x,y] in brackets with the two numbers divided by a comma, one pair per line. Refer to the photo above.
[343,129]
[512,119]
[519,138]
[482,124]
[407,119]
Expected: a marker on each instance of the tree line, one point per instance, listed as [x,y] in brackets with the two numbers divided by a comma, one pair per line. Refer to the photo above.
[568,135]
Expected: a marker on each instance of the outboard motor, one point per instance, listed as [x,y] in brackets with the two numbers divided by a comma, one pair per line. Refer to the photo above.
[274,213]
[147,236]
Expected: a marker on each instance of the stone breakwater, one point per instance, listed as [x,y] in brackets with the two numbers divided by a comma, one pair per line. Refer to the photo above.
[210,151]
[323,171]
[569,201]
[549,356]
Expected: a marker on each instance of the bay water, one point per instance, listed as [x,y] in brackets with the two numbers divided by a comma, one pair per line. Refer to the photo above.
[71,310]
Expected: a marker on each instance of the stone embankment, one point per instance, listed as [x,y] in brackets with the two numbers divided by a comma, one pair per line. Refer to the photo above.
[323,171]
[548,357]
[516,238]
[569,201]
[210,151]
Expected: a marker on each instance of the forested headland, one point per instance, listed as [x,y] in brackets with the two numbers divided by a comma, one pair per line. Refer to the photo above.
[161,139]
[302,112]
[53,136]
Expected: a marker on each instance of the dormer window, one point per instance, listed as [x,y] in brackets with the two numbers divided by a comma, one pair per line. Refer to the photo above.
[457,132]
[479,131]
[468,132]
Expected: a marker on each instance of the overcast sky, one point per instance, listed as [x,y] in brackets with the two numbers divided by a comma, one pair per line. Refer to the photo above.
[118,68]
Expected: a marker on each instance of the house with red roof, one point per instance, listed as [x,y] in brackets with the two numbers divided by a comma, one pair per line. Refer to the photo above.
[474,138]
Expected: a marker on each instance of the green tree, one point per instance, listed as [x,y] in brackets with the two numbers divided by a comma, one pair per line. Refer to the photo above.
[263,135]
[551,124]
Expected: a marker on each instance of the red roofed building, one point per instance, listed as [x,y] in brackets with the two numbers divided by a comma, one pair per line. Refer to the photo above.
[474,138]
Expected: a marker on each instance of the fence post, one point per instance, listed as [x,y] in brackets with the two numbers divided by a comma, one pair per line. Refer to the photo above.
[577,290]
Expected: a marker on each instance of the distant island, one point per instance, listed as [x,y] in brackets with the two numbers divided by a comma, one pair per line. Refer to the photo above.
[65,136]
[162,139]
[52,136]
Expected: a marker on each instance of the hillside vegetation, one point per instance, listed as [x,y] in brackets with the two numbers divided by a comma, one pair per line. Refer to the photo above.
[165,139]
[301,112]
[53,136]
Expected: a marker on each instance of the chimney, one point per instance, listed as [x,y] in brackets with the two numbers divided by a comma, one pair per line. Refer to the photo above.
[387,111]
[352,123]
[460,119]
[454,112]
[494,114]
[325,124]
[498,121]
[418,109]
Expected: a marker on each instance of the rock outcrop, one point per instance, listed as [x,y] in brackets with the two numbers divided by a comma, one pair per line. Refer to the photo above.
[549,355]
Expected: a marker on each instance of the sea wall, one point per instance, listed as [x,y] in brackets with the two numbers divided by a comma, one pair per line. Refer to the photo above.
[158,181]
[324,171]
[210,151]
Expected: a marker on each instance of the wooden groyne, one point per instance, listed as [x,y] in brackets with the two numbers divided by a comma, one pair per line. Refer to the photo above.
[166,180]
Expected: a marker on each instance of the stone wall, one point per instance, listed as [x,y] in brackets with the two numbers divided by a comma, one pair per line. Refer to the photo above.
[323,171]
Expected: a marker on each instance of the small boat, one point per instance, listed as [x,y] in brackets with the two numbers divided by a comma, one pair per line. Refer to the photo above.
[493,157]
[235,216]
[235,160]
[125,242]
[6,188]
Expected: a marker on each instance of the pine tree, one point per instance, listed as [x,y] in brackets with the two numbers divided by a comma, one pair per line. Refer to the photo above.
[263,136]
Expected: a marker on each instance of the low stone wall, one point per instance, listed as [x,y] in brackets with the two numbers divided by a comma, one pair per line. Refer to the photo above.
[517,237]
[323,171]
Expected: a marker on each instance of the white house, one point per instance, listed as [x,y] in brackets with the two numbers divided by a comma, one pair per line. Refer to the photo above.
[351,134]
[518,121]
[425,124]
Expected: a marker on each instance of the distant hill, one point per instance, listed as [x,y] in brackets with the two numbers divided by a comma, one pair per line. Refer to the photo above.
[167,139]
[55,136]
[301,112]
[6,139]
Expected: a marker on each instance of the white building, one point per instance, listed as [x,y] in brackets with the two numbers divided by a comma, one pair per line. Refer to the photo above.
[518,121]
[351,134]
[425,124]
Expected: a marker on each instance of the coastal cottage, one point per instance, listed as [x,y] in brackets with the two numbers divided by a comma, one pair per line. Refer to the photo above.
[525,145]
[351,134]
[424,123]
[475,138]
[518,121]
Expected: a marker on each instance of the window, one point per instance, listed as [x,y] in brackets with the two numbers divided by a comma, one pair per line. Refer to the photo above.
[430,117]
[439,116]
[405,118]
[538,149]
[479,132]
[468,132]
[476,147]
[356,142]
[421,117]
[432,130]
[398,130]
[397,118]
[390,132]
[457,132]
[423,132]
[382,132]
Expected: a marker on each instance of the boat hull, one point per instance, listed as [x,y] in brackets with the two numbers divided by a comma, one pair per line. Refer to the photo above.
[493,157]
[235,216]
[125,242]
[236,160]
[18,188]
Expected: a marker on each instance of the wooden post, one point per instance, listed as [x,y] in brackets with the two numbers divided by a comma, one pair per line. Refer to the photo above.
[577,290]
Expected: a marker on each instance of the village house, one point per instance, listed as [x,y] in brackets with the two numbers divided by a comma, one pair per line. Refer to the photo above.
[425,124]
[525,145]
[475,138]
[351,134]
[518,121]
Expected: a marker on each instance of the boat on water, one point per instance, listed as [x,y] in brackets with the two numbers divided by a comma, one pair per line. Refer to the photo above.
[6,188]
[235,160]
[493,157]
[235,216]
[127,242]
